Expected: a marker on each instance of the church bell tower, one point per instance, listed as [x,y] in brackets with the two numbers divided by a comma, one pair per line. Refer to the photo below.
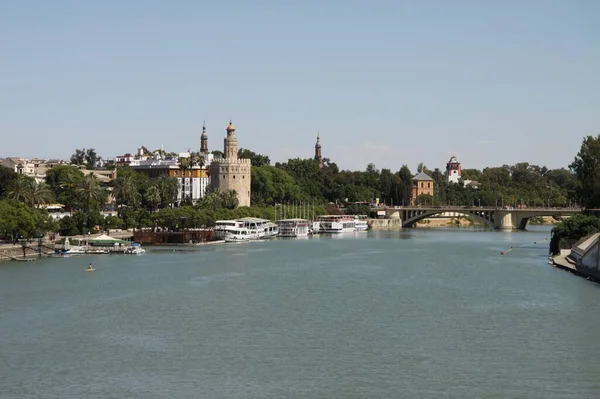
[204,140]
[318,155]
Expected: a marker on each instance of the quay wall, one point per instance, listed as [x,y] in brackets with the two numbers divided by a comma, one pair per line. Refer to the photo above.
[385,224]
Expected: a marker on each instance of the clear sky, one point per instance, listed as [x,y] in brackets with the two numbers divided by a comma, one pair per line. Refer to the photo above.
[388,82]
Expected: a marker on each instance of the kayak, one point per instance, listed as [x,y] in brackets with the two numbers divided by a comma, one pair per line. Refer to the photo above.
[89,270]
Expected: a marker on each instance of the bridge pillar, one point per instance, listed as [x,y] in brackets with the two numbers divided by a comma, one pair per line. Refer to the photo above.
[504,220]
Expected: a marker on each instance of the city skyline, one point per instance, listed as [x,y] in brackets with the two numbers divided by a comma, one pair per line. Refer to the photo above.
[382,82]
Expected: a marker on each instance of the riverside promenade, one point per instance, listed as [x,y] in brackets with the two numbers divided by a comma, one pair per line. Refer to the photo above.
[32,250]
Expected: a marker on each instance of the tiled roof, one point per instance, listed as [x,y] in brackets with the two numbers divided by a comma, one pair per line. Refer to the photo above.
[422,176]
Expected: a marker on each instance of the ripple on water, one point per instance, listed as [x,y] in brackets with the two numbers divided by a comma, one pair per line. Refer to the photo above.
[414,313]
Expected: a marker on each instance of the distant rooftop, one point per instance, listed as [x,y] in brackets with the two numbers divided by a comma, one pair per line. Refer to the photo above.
[422,176]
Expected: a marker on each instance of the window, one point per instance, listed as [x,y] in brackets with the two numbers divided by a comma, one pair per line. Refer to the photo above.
[234,176]
[421,185]
[428,185]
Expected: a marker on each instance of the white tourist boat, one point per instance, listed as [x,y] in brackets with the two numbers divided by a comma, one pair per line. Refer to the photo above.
[238,234]
[271,229]
[255,226]
[336,224]
[245,229]
[313,228]
[222,226]
[293,228]
[361,223]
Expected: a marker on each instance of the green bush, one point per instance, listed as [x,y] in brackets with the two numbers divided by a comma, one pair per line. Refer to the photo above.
[572,229]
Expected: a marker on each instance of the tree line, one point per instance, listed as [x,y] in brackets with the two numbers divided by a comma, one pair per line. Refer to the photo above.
[144,202]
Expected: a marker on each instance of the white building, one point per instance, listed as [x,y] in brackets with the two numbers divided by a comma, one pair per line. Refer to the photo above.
[192,180]
[34,167]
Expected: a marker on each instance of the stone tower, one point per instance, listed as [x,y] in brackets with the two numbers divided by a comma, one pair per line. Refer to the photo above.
[203,140]
[231,172]
[318,155]
[453,170]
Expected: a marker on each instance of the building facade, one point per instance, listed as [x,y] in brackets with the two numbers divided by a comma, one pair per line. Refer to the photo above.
[192,180]
[422,185]
[231,172]
[453,170]
[192,177]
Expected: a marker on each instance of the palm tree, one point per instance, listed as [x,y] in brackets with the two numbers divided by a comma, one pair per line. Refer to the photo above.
[153,196]
[90,193]
[167,186]
[125,190]
[197,159]
[230,199]
[68,184]
[20,189]
[41,194]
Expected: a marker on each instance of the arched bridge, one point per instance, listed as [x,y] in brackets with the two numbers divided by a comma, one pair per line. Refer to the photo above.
[497,218]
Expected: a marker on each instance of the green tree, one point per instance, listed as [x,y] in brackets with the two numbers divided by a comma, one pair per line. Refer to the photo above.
[255,159]
[64,180]
[20,189]
[91,195]
[357,209]
[153,196]
[567,232]
[41,194]
[7,175]
[405,187]
[587,170]
[125,189]
[168,188]
[18,220]
[91,158]
[78,157]
[230,199]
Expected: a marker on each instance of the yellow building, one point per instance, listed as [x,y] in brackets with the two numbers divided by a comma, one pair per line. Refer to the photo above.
[422,185]
[192,180]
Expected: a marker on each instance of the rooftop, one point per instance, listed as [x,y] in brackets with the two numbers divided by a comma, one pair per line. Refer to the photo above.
[422,176]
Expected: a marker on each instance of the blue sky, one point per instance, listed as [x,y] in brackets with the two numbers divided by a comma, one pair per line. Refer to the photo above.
[388,82]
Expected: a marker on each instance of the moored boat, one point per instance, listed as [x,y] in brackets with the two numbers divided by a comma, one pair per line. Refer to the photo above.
[221,227]
[238,234]
[361,223]
[336,224]
[135,249]
[271,229]
[293,228]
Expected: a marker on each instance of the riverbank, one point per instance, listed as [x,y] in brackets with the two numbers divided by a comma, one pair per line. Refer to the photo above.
[467,221]
[563,262]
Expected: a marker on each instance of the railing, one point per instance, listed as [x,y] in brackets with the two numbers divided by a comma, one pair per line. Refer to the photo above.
[469,207]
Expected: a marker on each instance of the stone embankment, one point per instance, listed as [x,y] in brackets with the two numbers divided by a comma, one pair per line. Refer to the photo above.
[385,224]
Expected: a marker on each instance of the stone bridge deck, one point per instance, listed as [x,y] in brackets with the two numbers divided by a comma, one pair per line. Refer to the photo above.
[498,218]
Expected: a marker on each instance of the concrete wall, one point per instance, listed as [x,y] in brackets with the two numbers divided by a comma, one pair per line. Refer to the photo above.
[385,224]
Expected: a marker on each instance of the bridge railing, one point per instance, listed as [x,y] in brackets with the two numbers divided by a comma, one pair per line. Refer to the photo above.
[469,207]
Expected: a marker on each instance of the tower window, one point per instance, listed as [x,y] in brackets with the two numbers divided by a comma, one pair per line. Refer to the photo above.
[234,176]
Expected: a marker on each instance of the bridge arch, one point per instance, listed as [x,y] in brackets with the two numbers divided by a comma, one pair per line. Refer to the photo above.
[411,218]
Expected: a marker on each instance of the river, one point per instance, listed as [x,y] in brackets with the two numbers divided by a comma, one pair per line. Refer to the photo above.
[417,313]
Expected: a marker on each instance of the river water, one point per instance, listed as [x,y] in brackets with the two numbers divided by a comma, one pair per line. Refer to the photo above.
[419,313]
